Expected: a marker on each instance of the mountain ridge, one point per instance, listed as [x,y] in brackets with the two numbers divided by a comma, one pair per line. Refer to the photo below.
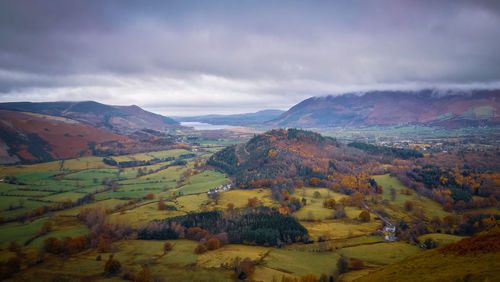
[374,108]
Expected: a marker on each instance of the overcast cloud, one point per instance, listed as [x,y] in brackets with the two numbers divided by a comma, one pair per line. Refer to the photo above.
[196,57]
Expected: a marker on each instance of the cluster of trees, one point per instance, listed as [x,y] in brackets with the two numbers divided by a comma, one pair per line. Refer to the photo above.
[66,246]
[487,243]
[399,153]
[285,159]
[261,225]
[453,178]
[133,163]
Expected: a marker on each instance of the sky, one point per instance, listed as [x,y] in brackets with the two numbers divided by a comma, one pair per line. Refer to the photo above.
[221,57]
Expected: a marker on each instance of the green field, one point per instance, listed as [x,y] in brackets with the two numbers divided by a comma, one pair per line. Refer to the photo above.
[301,263]
[203,182]
[382,253]
[429,207]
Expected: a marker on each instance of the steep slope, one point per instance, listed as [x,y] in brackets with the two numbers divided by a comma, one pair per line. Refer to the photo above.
[31,137]
[474,264]
[237,119]
[119,119]
[425,107]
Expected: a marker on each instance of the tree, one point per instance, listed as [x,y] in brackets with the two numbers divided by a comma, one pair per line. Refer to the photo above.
[339,212]
[408,206]
[317,194]
[167,247]
[200,249]
[213,244]
[393,193]
[245,268]
[52,245]
[161,205]
[314,181]
[364,216]
[252,202]
[112,266]
[330,204]
[342,264]
[230,206]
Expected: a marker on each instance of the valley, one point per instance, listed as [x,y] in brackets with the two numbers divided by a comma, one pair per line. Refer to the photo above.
[341,196]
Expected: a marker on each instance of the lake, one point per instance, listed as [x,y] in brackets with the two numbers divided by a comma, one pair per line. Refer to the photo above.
[207,126]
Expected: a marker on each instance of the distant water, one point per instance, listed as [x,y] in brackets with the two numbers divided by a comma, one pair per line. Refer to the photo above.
[207,126]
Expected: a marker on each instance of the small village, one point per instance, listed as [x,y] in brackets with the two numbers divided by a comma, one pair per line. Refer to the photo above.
[221,188]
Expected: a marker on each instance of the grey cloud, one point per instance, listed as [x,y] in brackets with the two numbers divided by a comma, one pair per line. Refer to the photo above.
[188,54]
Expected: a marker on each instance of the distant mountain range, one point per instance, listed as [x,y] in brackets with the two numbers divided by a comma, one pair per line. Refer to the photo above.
[257,118]
[35,132]
[384,108]
[119,119]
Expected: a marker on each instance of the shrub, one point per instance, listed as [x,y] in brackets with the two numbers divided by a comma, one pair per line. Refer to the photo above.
[200,249]
[112,266]
[408,205]
[213,244]
[167,247]
[364,216]
[245,268]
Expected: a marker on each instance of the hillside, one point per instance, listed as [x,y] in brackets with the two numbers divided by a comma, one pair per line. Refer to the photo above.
[118,119]
[283,159]
[445,265]
[237,119]
[30,137]
[383,108]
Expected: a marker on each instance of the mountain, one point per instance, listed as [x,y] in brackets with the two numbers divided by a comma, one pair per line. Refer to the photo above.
[384,108]
[259,117]
[39,132]
[118,119]
[32,137]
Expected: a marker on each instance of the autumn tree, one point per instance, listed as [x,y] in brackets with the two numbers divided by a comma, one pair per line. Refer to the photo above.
[364,216]
[230,206]
[167,247]
[213,244]
[252,202]
[200,249]
[161,205]
[112,266]
[330,203]
[245,268]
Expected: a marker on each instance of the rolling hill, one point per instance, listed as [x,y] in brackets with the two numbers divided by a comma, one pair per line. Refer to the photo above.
[118,119]
[38,132]
[31,137]
[385,108]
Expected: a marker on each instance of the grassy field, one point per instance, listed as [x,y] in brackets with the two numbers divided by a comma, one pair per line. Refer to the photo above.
[339,229]
[441,239]
[381,253]
[203,182]
[144,213]
[227,254]
[240,198]
[428,206]
[301,263]
[19,232]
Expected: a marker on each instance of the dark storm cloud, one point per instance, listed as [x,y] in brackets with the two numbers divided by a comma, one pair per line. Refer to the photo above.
[224,56]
